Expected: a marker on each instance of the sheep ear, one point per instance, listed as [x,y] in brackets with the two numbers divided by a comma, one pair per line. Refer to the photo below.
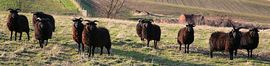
[81,18]
[95,21]
[18,10]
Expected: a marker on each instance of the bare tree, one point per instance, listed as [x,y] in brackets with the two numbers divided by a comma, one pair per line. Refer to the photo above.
[110,8]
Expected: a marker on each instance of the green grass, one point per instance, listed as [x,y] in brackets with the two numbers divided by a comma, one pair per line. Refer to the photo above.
[127,49]
[48,6]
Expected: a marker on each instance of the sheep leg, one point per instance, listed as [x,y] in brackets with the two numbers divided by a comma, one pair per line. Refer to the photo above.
[20,36]
[11,32]
[155,44]
[248,52]
[231,54]
[101,50]
[89,51]
[83,47]
[251,53]
[148,43]
[15,35]
[79,47]
[28,35]
[185,48]
[235,53]
[93,50]
[46,42]
[41,43]
[211,54]
[108,49]
[179,44]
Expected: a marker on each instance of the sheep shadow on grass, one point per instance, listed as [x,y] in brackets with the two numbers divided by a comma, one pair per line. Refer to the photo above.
[153,58]
[265,59]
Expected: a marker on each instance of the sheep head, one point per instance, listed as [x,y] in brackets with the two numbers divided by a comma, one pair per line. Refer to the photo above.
[91,25]
[235,33]
[77,19]
[147,22]
[14,12]
[254,32]
[190,27]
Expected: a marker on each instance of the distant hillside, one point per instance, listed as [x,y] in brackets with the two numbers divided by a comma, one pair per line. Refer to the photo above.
[50,6]
[250,10]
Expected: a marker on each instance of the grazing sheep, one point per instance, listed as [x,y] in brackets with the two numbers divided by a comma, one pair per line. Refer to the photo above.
[249,41]
[77,30]
[43,15]
[17,23]
[186,37]
[150,32]
[43,31]
[221,41]
[94,36]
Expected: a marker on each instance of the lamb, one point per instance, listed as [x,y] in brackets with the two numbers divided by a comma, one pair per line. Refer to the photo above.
[221,41]
[17,23]
[186,37]
[77,30]
[43,15]
[150,32]
[43,31]
[94,36]
[249,41]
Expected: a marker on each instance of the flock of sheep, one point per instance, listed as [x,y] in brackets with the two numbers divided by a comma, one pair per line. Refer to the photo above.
[91,35]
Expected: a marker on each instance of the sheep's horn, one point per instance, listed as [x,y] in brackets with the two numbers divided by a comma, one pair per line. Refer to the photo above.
[95,21]
[239,28]
[232,25]
[140,20]
[9,9]
[81,18]
[18,9]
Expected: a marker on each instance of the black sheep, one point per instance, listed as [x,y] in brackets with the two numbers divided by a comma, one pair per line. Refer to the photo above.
[150,32]
[43,31]
[94,36]
[249,41]
[43,15]
[186,37]
[221,41]
[17,23]
[77,30]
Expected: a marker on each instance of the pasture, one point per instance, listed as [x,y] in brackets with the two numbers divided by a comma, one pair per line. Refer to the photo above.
[127,49]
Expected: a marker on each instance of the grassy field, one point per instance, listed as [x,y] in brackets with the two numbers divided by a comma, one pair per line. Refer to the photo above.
[127,49]
[49,6]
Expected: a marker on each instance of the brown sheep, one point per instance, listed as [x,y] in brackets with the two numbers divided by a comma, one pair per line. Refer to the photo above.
[186,37]
[17,23]
[77,30]
[43,15]
[150,32]
[139,28]
[94,36]
[249,41]
[221,41]
[43,31]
